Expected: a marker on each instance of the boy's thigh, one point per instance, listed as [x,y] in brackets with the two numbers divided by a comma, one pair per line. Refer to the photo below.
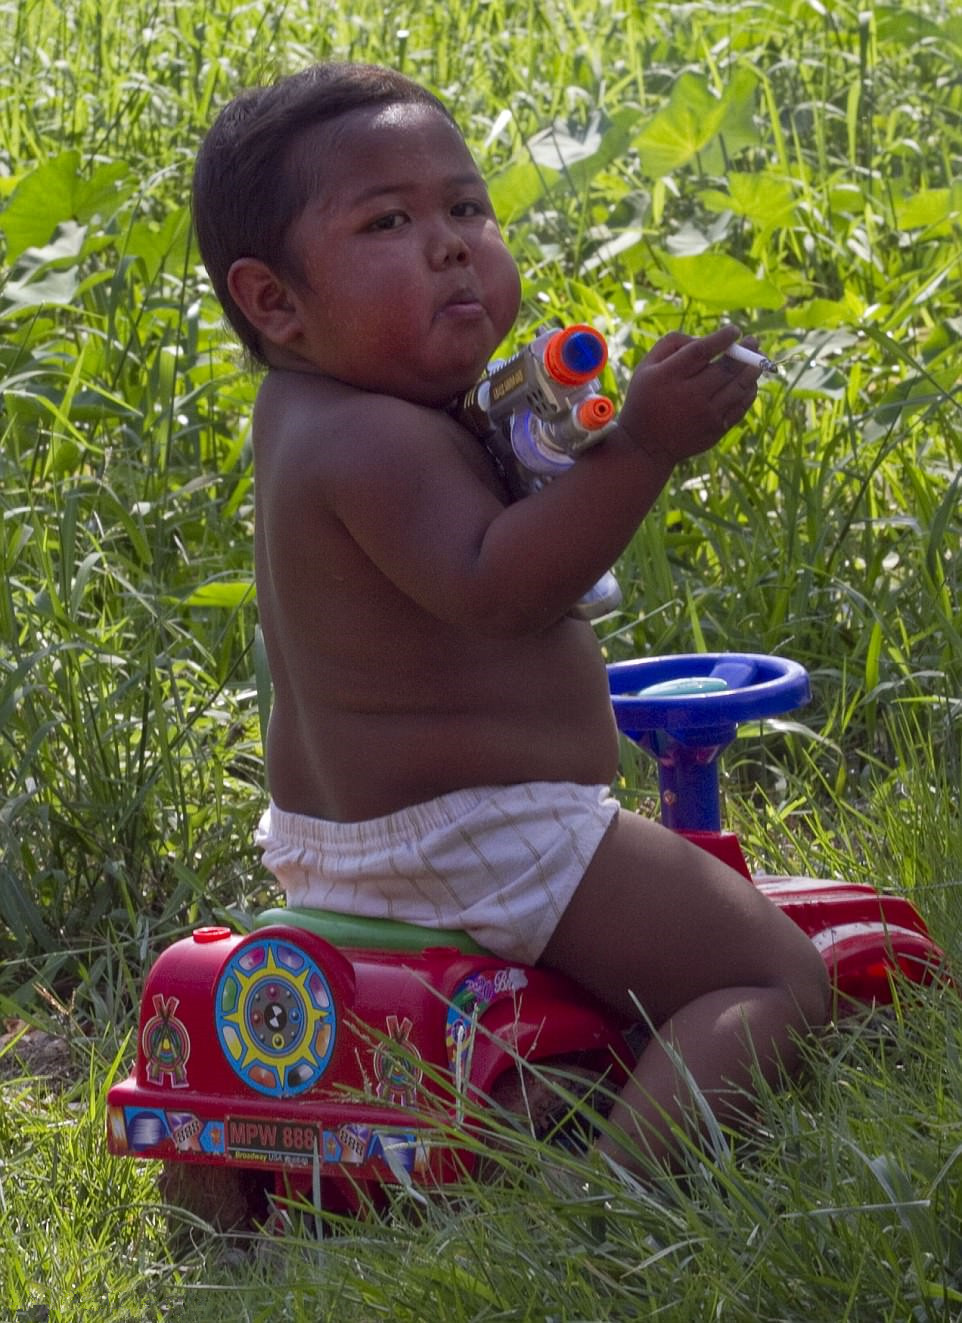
[659,917]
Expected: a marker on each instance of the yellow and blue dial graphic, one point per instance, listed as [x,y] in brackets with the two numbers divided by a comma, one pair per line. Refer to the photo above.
[275,1017]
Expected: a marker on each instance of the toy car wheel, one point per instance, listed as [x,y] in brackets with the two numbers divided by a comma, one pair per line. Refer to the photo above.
[546,1097]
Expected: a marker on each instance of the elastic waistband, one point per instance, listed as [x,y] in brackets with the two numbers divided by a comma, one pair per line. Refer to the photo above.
[417,820]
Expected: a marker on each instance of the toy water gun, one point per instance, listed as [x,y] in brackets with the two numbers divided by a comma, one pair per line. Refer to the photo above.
[536,412]
[544,399]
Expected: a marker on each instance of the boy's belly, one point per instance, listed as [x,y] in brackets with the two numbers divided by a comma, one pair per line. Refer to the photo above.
[484,721]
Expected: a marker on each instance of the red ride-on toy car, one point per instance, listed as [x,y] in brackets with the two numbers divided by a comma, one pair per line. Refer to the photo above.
[321,1051]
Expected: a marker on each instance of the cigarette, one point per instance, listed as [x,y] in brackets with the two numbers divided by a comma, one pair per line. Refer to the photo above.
[743,355]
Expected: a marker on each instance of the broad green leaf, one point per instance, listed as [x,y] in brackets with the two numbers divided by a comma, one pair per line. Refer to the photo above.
[50,274]
[62,250]
[56,192]
[53,287]
[65,457]
[580,159]
[606,253]
[691,238]
[943,337]
[39,404]
[159,245]
[556,149]
[905,26]
[820,379]
[915,392]
[846,198]
[694,117]
[41,200]
[929,209]
[738,128]
[719,281]
[229,593]
[679,131]
[615,143]
[821,314]
[89,404]
[517,189]
[715,199]
[763,199]
[557,155]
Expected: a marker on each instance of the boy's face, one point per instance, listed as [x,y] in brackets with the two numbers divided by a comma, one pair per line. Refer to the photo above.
[408,286]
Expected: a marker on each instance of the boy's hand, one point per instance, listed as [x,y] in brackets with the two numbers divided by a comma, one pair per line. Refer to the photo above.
[685,395]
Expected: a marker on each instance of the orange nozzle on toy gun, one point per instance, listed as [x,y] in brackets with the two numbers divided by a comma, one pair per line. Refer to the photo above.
[594,412]
[584,425]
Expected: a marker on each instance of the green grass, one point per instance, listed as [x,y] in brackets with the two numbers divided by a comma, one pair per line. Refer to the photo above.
[791,165]
[843,1202]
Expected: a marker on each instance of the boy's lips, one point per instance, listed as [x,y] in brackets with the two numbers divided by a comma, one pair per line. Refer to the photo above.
[464,303]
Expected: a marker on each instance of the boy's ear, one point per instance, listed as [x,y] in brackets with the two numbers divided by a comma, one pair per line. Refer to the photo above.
[264,299]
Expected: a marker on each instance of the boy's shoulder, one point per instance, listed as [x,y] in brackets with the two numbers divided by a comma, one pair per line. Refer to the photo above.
[292,395]
[312,421]
[293,400]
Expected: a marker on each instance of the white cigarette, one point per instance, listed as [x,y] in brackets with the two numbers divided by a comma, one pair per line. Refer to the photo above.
[743,355]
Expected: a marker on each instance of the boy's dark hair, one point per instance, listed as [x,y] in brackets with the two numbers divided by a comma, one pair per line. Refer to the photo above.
[248,186]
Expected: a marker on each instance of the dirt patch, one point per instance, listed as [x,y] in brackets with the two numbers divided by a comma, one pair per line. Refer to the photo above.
[34,1054]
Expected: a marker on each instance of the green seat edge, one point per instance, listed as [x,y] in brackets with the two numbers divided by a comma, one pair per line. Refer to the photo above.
[358,931]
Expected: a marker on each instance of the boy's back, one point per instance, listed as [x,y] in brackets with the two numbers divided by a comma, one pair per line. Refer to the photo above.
[381,701]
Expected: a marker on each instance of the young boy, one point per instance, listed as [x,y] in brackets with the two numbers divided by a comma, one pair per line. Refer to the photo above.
[442,741]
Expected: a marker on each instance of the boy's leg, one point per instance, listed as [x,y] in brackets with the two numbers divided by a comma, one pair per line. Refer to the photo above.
[725,977]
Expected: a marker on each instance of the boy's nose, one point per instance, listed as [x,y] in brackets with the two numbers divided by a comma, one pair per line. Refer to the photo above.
[448,248]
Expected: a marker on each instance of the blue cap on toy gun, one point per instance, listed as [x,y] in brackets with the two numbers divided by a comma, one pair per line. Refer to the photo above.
[574,356]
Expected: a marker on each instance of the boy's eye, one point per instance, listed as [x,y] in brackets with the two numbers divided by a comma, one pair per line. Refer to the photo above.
[468,208]
[392,221]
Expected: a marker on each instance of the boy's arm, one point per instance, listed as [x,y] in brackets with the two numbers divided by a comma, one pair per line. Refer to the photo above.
[409,497]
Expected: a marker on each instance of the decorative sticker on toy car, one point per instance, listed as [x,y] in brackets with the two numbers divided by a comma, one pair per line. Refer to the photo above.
[397,1064]
[352,1144]
[191,1134]
[402,1150]
[166,1044]
[275,1018]
[117,1130]
[212,1137]
[146,1128]
[143,1129]
[471,998]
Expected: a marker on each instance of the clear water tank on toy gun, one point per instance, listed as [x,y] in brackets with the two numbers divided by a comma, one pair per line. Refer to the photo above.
[536,412]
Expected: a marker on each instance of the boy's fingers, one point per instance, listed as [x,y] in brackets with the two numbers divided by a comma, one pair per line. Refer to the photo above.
[668,344]
[700,352]
[735,399]
[737,373]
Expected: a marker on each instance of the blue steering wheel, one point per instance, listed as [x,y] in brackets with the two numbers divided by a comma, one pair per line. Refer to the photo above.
[685,709]
[703,689]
